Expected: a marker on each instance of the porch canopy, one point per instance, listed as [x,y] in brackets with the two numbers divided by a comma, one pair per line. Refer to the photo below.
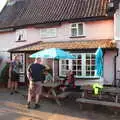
[75,44]
[68,45]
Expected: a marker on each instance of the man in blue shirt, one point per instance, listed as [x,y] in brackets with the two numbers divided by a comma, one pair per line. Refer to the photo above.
[35,74]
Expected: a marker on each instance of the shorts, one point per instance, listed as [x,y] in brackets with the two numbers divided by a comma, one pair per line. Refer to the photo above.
[35,90]
[14,76]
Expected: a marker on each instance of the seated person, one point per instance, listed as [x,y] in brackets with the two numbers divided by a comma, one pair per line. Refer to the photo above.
[69,82]
[70,79]
[48,76]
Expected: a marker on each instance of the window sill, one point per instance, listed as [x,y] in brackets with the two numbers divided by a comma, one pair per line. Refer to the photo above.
[78,36]
[20,40]
[84,78]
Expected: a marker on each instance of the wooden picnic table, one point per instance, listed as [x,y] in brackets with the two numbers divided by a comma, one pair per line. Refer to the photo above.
[51,90]
[114,92]
[108,96]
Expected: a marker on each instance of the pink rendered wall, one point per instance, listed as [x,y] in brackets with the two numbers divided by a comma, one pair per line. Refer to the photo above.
[109,66]
[99,30]
[93,30]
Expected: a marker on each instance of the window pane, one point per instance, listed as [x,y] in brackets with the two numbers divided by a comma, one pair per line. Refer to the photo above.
[92,67]
[87,68]
[63,61]
[74,25]
[79,62]
[87,62]
[63,67]
[80,29]
[63,72]
[74,68]
[93,56]
[74,62]
[79,73]
[74,72]
[79,67]
[93,61]
[67,67]
[67,62]
[87,56]
[92,73]
[74,32]
[87,73]
[79,57]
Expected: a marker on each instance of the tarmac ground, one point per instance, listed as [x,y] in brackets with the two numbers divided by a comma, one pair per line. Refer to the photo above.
[13,107]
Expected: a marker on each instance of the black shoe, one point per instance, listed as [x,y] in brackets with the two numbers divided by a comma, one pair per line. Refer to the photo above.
[28,106]
[16,91]
[37,106]
[11,93]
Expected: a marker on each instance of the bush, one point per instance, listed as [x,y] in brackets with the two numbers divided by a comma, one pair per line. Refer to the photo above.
[4,74]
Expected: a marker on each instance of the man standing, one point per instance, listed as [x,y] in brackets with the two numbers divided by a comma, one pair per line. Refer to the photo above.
[14,69]
[35,74]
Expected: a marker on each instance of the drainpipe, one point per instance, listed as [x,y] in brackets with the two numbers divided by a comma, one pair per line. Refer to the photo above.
[115,61]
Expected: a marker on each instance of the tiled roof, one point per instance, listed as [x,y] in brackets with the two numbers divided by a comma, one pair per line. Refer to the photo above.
[29,12]
[91,44]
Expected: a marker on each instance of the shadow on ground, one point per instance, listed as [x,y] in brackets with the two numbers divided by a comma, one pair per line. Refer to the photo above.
[15,107]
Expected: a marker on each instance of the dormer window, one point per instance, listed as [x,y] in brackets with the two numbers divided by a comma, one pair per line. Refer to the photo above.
[77,29]
[21,35]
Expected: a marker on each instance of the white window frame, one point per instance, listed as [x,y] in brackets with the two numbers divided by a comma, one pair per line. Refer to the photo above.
[47,32]
[82,35]
[23,34]
[83,65]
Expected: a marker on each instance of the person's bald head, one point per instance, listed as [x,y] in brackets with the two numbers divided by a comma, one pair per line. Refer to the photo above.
[38,60]
[16,58]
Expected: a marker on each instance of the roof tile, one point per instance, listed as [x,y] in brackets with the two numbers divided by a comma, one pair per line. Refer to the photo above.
[26,12]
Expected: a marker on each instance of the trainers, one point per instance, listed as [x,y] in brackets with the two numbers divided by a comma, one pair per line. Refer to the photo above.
[37,106]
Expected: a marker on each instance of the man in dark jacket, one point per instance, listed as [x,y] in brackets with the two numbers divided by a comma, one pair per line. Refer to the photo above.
[35,74]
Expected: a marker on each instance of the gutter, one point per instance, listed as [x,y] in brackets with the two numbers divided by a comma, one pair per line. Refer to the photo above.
[115,61]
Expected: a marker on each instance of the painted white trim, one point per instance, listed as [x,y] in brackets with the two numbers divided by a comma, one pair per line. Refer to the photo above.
[23,34]
[84,29]
[83,66]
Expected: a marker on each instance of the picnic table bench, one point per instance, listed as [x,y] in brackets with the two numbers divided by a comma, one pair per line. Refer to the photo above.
[106,91]
[52,88]
[97,102]
[111,93]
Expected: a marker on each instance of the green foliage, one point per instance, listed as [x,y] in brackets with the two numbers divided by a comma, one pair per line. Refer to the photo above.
[4,74]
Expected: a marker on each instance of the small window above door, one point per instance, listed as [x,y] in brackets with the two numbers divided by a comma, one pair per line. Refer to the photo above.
[21,35]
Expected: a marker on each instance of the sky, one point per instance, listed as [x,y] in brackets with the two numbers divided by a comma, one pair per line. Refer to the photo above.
[2,3]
